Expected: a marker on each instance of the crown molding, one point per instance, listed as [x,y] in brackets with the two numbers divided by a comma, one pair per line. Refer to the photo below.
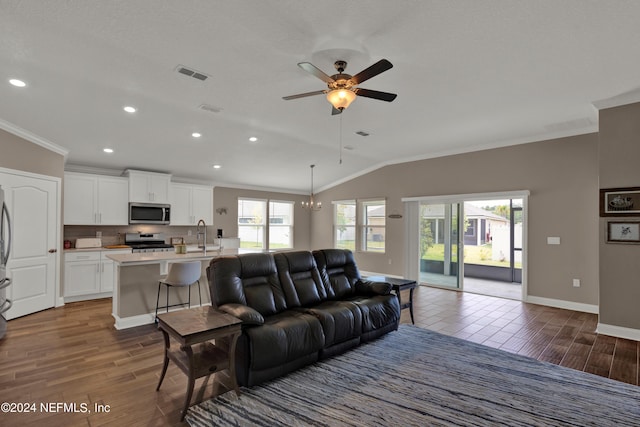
[31,137]
[630,97]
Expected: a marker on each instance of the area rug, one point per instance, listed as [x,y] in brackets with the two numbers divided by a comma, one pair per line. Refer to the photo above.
[416,377]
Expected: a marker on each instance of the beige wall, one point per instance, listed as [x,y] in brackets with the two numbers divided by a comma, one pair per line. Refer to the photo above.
[20,154]
[562,176]
[619,264]
[224,197]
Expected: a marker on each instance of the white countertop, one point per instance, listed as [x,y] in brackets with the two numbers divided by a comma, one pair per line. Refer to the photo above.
[160,257]
[96,249]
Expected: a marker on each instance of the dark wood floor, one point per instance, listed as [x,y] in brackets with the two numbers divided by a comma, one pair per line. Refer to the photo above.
[73,355]
[562,337]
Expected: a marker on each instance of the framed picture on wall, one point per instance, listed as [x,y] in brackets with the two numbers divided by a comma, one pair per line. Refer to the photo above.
[620,201]
[623,232]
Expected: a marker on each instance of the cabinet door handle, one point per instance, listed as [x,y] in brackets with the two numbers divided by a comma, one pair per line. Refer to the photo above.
[53,251]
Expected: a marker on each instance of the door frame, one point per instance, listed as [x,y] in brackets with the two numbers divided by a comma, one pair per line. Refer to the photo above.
[412,234]
[58,299]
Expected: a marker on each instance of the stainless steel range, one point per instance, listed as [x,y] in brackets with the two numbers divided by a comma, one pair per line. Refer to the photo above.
[147,242]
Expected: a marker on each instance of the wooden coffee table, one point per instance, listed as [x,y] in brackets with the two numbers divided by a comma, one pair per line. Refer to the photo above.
[399,285]
[197,356]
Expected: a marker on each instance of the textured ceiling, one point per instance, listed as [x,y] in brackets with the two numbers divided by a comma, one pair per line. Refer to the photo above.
[468,74]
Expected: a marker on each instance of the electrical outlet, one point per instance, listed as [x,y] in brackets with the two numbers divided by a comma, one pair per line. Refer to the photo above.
[389,261]
[576,283]
[189,233]
[98,234]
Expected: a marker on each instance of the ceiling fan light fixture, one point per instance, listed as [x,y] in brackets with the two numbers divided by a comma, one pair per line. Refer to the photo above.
[341,98]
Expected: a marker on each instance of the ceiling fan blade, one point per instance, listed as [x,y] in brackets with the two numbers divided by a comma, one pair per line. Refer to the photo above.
[302,95]
[335,111]
[377,68]
[382,96]
[312,69]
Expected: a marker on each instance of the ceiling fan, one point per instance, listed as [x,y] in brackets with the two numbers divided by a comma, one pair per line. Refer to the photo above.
[341,88]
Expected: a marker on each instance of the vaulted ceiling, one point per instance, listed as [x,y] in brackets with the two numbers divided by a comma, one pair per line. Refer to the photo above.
[469,75]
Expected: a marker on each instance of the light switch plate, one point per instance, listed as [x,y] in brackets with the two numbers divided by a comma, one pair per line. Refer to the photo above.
[553,240]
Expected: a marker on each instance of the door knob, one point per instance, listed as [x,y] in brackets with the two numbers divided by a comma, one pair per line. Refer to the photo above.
[53,251]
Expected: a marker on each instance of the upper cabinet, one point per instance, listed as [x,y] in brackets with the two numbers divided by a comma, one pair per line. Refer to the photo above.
[191,203]
[148,187]
[95,199]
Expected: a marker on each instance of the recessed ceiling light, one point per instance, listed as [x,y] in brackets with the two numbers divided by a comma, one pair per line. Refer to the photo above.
[196,135]
[129,109]
[108,150]
[253,139]
[217,166]
[17,83]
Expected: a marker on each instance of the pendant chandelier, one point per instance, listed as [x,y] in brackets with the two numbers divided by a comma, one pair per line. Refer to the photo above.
[312,204]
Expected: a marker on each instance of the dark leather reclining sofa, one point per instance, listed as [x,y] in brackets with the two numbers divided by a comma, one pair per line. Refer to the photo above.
[297,308]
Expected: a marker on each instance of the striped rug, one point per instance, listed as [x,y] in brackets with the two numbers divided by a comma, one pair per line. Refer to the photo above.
[416,377]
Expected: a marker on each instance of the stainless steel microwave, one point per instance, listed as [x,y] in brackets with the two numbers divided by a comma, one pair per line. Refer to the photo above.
[149,213]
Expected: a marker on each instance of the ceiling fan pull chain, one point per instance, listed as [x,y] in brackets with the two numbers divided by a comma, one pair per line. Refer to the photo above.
[340,139]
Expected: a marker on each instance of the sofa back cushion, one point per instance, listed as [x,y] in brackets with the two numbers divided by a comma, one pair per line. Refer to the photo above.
[248,279]
[300,278]
[338,271]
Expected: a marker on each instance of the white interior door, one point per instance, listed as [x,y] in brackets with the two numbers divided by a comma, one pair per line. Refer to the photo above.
[33,204]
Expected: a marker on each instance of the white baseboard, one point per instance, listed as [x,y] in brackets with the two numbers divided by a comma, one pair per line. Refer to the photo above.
[142,319]
[133,321]
[87,297]
[371,273]
[618,331]
[567,305]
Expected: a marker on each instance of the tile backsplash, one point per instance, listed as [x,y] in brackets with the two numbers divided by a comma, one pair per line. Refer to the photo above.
[114,235]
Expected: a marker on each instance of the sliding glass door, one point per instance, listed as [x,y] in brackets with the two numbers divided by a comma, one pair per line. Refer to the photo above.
[466,240]
[439,244]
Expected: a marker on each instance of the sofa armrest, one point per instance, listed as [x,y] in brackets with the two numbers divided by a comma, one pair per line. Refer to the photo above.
[368,287]
[248,315]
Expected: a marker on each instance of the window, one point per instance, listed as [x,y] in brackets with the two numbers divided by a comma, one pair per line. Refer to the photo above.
[344,225]
[280,225]
[251,223]
[360,224]
[373,225]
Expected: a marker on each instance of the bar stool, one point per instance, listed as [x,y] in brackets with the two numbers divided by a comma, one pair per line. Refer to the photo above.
[180,274]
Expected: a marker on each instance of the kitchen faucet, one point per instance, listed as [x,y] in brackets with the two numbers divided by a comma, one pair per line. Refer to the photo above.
[202,233]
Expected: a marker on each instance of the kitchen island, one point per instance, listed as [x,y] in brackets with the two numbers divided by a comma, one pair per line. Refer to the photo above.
[136,286]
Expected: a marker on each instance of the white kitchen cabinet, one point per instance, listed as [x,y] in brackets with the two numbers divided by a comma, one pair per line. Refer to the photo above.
[81,273]
[89,274]
[148,187]
[191,203]
[95,199]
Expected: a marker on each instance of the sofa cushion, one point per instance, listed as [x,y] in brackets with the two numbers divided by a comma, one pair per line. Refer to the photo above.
[249,279]
[338,271]
[300,278]
[341,320]
[284,337]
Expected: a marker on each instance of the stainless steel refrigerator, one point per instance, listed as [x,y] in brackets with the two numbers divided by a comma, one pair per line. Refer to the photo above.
[5,250]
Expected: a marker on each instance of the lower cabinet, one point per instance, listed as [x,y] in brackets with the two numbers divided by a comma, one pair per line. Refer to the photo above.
[88,275]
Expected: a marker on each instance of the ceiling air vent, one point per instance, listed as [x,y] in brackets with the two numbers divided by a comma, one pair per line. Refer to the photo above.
[210,108]
[191,73]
